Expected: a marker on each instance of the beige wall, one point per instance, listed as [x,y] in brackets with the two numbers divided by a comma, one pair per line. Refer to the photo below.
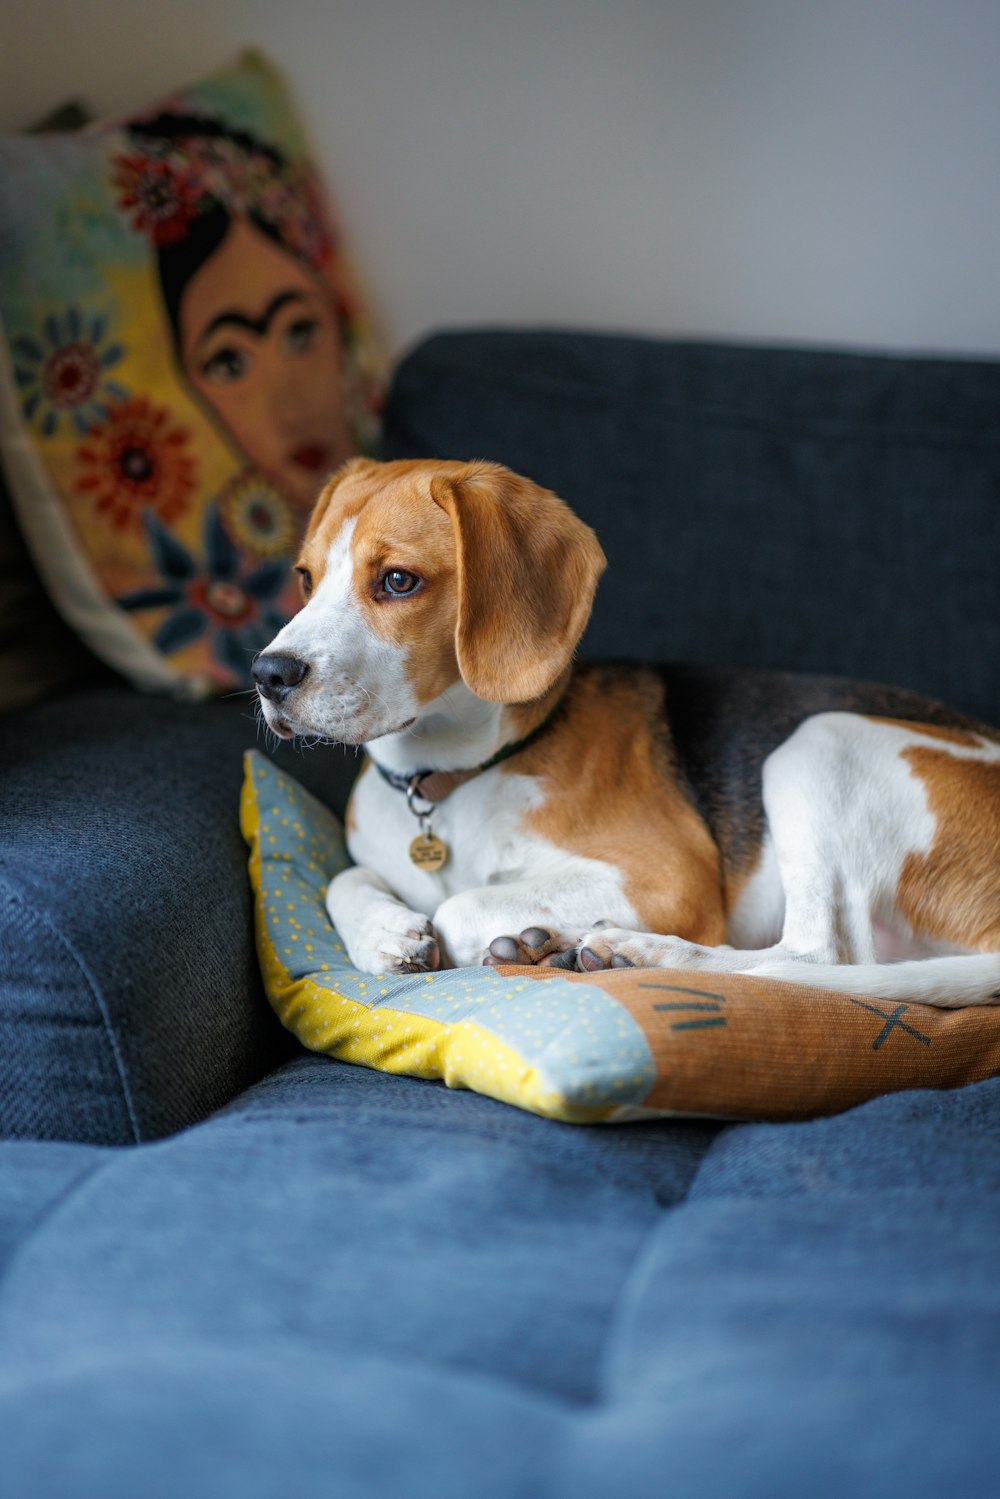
[819,170]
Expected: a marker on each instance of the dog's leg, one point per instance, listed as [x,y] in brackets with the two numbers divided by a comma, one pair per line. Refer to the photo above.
[843,815]
[380,933]
[825,809]
[949,982]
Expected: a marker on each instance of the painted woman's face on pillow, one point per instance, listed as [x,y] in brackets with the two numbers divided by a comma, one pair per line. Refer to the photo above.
[260,343]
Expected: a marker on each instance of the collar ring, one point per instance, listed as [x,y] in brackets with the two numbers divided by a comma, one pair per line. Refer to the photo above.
[413,795]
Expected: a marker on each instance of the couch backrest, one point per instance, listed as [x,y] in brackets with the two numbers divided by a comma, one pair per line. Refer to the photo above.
[760,507]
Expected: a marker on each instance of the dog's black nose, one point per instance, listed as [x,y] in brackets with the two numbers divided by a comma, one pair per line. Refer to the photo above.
[276,673]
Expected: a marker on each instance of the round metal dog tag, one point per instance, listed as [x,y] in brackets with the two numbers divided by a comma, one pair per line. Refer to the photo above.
[428,852]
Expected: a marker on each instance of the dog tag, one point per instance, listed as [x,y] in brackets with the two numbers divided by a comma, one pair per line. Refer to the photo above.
[428,852]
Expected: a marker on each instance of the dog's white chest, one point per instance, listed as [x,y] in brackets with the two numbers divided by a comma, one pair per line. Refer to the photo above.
[481,824]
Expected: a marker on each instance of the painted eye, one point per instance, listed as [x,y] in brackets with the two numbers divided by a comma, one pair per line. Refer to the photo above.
[398,581]
[226,365]
[305,579]
[301,336]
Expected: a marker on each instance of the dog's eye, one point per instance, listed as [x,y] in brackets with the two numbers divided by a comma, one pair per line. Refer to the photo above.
[305,578]
[398,581]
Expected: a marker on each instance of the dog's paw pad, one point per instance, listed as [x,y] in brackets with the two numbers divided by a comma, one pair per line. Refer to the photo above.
[606,946]
[568,959]
[506,950]
[535,946]
[590,961]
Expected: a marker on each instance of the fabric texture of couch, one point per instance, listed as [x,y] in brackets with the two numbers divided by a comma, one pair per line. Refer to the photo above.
[232,1269]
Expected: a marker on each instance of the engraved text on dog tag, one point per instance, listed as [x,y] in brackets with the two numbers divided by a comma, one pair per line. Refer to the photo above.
[428,852]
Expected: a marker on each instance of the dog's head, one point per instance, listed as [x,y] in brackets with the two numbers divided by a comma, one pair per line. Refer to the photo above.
[417,575]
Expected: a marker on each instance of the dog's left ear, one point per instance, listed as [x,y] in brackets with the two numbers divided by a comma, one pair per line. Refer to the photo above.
[527,572]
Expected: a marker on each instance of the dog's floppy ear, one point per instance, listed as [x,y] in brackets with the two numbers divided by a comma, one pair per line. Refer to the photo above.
[326,494]
[527,571]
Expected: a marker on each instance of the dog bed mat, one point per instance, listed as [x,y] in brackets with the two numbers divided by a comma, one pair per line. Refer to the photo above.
[623,1044]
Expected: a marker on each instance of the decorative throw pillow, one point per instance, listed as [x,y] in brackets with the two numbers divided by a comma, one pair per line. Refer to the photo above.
[39,654]
[622,1045]
[185,357]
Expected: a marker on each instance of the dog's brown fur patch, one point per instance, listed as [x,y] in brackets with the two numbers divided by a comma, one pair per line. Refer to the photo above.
[952,894]
[612,794]
[950,733]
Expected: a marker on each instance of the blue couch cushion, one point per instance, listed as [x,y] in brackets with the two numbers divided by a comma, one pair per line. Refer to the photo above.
[130,996]
[358,1284]
[813,511]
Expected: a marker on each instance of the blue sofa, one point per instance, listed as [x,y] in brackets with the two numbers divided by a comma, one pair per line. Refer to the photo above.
[234,1269]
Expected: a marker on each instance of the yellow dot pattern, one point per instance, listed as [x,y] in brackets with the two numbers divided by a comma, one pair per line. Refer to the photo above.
[567,1051]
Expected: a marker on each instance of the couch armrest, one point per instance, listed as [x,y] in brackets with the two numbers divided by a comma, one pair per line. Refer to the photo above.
[130,998]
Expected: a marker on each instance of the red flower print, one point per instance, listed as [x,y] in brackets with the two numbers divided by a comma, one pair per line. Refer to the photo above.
[305,219]
[225,603]
[138,457]
[163,195]
[71,375]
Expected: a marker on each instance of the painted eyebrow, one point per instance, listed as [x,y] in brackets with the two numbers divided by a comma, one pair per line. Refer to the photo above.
[254,325]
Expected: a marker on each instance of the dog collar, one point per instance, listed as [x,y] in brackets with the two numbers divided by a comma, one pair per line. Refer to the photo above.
[432,786]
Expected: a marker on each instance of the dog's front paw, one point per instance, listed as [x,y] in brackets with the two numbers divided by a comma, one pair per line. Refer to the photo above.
[536,945]
[614,947]
[394,940]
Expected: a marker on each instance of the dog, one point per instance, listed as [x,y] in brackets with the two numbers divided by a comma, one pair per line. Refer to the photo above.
[518,806]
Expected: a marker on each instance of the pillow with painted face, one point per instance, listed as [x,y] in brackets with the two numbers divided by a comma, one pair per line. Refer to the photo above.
[185,359]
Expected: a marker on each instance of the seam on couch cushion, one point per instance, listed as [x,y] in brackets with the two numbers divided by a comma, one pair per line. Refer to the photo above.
[692,409]
[605,1374]
[632,1170]
[48,1211]
[91,983]
[604,1380]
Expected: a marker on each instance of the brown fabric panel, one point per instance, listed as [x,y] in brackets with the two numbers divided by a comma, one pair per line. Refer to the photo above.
[737,1047]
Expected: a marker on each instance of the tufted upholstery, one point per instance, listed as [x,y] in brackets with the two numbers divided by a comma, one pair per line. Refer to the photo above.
[348,1283]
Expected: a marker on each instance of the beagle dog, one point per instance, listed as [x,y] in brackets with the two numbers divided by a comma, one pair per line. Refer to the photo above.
[519,807]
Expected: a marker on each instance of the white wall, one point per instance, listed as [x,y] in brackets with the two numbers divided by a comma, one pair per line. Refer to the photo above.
[819,170]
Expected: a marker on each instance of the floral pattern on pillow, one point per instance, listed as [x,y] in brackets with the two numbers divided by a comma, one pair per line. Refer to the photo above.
[188,357]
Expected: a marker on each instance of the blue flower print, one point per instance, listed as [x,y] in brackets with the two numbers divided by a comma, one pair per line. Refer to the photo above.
[235,606]
[63,373]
